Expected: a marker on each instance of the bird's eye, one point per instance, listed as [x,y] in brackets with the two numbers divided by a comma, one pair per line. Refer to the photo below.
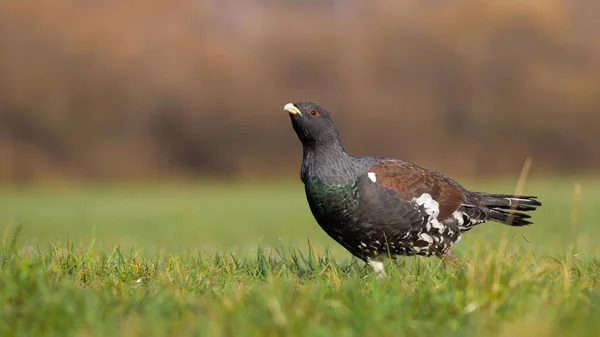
[314,112]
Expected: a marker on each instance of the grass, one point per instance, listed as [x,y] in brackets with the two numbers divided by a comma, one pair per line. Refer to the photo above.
[237,260]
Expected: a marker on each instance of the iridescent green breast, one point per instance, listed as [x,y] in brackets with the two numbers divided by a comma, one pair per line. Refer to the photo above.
[331,203]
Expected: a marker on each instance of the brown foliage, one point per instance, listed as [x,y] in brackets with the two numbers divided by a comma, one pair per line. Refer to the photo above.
[107,89]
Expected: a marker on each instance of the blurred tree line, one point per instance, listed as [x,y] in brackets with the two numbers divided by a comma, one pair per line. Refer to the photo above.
[121,89]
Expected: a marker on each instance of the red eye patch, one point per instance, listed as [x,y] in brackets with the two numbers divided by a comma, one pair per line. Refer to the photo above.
[314,112]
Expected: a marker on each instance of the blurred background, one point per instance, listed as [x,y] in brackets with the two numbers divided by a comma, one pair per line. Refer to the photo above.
[99,90]
[157,91]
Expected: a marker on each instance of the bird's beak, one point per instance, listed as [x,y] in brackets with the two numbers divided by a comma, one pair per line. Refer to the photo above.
[291,108]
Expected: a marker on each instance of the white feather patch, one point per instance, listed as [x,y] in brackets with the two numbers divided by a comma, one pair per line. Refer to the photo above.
[427,238]
[432,207]
[372,176]
[459,218]
[438,225]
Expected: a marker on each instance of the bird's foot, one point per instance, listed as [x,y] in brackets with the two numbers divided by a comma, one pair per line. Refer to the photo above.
[378,268]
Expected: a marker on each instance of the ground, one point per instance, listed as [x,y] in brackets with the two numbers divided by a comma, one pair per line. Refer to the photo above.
[248,260]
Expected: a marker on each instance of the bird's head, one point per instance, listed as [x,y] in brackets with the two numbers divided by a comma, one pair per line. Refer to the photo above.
[311,123]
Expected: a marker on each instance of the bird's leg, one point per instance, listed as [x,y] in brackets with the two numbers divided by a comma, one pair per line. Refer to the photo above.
[377,266]
[448,259]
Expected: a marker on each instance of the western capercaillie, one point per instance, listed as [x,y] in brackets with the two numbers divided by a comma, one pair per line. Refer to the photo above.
[377,207]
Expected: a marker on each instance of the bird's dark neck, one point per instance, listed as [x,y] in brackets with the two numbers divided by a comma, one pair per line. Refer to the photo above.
[327,163]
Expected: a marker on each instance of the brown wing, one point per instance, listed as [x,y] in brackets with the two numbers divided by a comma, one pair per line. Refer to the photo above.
[411,181]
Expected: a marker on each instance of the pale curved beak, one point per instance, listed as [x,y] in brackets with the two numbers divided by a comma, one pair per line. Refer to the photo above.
[291,108]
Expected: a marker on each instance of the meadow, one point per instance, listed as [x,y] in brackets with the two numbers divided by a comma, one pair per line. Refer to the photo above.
[247,259]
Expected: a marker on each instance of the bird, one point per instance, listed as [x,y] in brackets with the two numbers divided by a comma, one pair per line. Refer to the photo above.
[380,207]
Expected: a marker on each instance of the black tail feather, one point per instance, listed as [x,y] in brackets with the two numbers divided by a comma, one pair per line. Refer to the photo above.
[509,218]
[507,209]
